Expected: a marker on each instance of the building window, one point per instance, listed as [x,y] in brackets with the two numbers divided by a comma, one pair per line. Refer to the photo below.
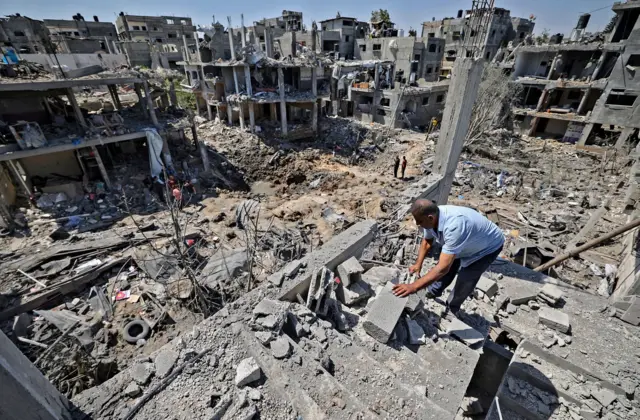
[144,28]
[363,47]
[377,47]
[347,23]
[439,48]
[431,35]
[543,64]
[439,99]
[76,33]
[634,60]
[429,70]
[416,57]
[136,28]
[487,55]
[159,40]
[385,102]
[381,112]
[19,33]
[188,36]
[425,100]
[170,21]
[573,95]
[493,33]
[521,35]
[618,97]
[346,38]
[184,22]
[437,69]
[432,47]
[172,36]
[456,35]
[324,28]
[155,28]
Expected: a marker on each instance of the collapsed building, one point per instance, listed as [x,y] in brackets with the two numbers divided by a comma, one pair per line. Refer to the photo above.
[582,92]
[501,31]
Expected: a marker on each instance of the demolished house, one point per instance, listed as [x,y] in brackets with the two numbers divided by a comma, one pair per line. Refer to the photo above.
[582,92]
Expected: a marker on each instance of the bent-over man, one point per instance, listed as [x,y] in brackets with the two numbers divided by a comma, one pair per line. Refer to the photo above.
[470,243]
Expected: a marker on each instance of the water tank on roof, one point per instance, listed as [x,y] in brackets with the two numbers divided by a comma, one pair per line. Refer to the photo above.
[459,14]
[583,21]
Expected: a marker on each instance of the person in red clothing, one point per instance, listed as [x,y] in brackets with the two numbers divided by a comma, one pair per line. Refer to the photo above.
[404,166]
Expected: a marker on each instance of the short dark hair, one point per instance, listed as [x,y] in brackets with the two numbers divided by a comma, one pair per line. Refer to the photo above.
[424,207]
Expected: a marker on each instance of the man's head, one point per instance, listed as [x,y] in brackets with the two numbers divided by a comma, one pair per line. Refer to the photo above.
[426,213]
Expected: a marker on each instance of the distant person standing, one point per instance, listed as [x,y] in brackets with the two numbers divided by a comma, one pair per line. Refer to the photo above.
[404,166]
[396,166]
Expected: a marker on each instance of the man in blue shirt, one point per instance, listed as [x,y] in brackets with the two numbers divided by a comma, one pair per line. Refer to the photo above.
[470,243]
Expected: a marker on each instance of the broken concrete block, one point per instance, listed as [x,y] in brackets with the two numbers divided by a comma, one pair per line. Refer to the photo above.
[415,332]
[133,390]
[164,362]
[291,269]
[356,292]
[248,371]
[487,286]
[264,337]
[142,372]
[464,332]
[550,293]
[350,271]
[280,348]
[414,303]
[384,314]
[276,278]
[511,309]
[604,396]
[555,319]
[379,276]
[523,298]
[270,307]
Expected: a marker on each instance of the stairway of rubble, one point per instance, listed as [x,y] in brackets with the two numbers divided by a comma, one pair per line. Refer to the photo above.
[368,378]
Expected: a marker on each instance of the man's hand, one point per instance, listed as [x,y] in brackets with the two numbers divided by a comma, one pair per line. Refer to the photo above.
[403,290]
[415,268]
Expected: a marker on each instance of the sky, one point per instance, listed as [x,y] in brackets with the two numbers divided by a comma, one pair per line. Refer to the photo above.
[558,16]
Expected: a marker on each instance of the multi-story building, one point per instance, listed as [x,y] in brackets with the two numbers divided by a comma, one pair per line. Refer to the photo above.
[414,58]
[339,34]
[164,36]
[80,36]
[25,35]
[583,92]
[501,30]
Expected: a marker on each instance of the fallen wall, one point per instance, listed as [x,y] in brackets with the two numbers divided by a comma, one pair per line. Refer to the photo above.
[76,61]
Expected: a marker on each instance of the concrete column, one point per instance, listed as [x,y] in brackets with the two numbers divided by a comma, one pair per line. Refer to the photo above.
[195,37]
[553,66]
[209,111]
[542,100]
[26,393]
[624,136]
[599,64]
[19,178]
[241,112]
[230,114]
[103,169]
[113,90]
[462,94]
[233,51]
[151,108]
[586,132]
[314,91]
[533,126]
[115,48]
[141,102]
[187,58]
[173,98]
[283,103]
[583,101]
[376,77]
[198,107]
[267,42]
[273,111]
[76,108]
[106,43]
[243,31]
[247,80]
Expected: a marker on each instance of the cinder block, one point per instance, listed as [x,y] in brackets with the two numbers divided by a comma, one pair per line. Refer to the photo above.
[353,294]
[487,286]
[555,319]
[551,293]
[523,298]
[350,271]
[380,275]
[384,314]
[464,332]
[413,303]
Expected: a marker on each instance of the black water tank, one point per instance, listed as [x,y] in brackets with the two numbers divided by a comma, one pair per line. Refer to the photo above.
[95,18]
[583,21]
[459,14]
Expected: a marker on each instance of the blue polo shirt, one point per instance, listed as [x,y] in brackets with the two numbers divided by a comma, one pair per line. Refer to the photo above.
[466,234]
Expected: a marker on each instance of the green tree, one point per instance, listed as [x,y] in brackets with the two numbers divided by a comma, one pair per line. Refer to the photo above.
[543,38]
[381,15]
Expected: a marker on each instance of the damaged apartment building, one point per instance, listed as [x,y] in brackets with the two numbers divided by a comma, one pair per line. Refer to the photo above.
[584,92]
[502,31]
[145,39]
[61,138]
[393,81]
[252,89]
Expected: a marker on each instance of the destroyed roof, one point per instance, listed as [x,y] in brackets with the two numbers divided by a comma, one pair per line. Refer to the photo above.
[571,47]
[361,63]
[21,85]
